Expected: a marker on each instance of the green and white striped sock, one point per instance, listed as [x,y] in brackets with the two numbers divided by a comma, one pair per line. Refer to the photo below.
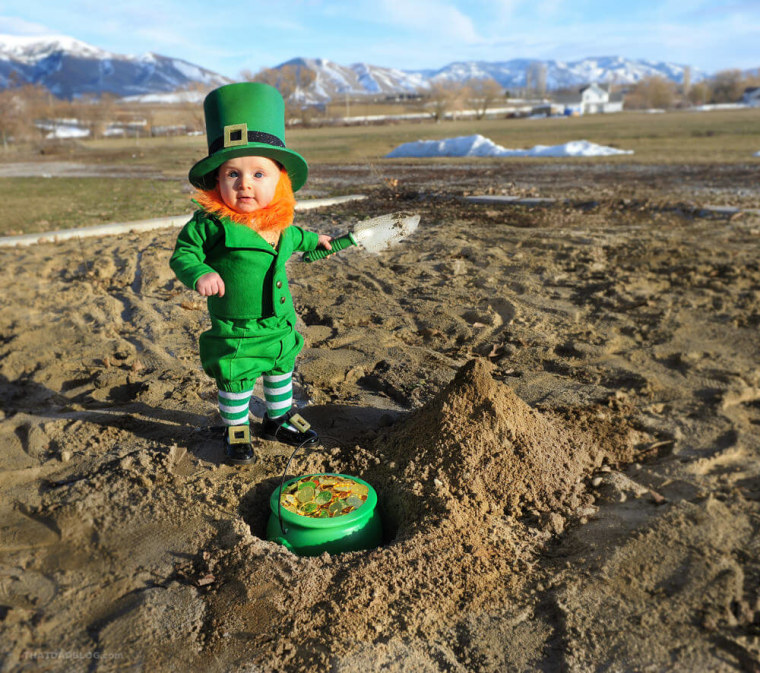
[233,407]
[278,395]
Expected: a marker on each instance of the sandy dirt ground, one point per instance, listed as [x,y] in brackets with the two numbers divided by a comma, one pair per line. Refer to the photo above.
[558,406]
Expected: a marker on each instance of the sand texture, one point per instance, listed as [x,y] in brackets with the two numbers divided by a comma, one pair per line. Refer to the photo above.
[559,408]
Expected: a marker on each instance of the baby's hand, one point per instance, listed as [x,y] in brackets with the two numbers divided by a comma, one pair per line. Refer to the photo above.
[209,284]
[324,242]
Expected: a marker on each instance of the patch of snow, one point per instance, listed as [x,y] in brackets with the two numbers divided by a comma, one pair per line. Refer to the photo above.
[718,106]
[68,132]
[174,97]
[479,146]
[190,71]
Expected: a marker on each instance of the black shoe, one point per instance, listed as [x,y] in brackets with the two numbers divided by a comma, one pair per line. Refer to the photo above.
[237,444]
[272,429]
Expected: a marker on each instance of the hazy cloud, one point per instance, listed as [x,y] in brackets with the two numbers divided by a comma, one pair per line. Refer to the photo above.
[431,17]
[12,25]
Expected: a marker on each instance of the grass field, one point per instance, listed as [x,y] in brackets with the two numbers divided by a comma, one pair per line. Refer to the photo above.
[677,137]
[34,204]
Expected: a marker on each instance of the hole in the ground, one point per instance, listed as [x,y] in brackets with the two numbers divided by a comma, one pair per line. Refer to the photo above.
[254,506]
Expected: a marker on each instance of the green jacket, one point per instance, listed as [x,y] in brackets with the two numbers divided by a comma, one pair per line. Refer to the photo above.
[255,282]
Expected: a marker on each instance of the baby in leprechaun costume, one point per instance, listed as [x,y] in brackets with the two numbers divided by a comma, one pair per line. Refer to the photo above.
[234,250]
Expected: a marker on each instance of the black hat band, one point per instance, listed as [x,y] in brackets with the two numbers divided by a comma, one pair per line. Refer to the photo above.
[235,138]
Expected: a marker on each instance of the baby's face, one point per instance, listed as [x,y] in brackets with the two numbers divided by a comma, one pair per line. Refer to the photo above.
[248,183]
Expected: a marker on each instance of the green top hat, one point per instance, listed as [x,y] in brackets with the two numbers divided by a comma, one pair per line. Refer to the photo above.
[244,119]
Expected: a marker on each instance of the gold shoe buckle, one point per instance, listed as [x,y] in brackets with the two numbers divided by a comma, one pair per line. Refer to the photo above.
[299,422]
[239,434]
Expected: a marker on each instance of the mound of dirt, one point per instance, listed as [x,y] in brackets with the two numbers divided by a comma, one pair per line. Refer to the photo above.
[478,445]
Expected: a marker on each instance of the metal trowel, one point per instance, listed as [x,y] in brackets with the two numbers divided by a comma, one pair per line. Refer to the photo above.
[373,235]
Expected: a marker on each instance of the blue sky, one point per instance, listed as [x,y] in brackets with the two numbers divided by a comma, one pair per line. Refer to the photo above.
[406,34]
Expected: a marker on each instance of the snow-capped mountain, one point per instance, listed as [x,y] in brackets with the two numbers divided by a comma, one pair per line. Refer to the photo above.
[334,80]
[69,67]
[559,74]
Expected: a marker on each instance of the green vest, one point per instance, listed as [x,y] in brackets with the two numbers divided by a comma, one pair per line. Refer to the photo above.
[255,282]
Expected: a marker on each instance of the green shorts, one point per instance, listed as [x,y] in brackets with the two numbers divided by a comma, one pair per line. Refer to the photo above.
[236,352]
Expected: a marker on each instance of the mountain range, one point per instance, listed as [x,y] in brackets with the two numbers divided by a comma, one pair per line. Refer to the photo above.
[334,80]
[70,68]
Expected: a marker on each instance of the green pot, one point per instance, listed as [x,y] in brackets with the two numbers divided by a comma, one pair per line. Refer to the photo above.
[308,536]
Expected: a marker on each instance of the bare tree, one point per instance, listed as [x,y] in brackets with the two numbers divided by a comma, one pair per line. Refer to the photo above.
[728,86]
[461,94]
[21,107]
[686,83]
[439,99]
[447,96]
[11,118]
[291,81]
[11,111]
[535,78]
[96,112]
[699,93]
[192,113]
[541,80]
[652,92]
[484,93]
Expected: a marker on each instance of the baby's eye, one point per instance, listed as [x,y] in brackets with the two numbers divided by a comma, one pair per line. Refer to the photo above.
[258,174]
[233,174]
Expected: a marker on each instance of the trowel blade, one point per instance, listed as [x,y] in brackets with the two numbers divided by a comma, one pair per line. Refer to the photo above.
[380,233]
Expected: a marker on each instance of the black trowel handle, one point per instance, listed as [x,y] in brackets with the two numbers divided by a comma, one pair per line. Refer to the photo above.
[335,245]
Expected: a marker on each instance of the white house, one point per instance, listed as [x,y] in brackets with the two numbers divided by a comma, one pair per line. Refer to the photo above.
[752,96]
[590,99]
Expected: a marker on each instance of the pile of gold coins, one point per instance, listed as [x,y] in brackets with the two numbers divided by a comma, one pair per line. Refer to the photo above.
[323,496]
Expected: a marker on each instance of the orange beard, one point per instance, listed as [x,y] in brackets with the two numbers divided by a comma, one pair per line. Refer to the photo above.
[275,217]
